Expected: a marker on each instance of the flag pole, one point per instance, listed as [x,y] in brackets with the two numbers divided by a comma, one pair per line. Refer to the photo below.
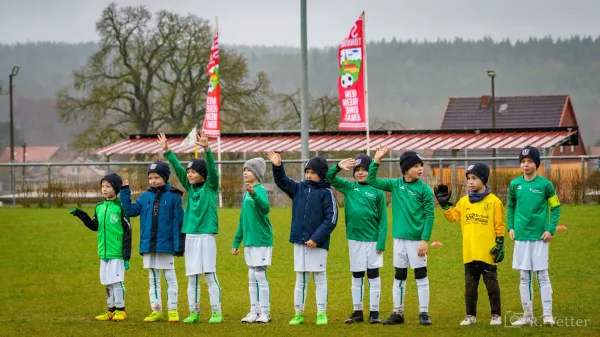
[219,138]
[364,41]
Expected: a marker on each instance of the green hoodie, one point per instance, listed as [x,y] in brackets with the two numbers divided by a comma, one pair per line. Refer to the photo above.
[254,226]
[201,203]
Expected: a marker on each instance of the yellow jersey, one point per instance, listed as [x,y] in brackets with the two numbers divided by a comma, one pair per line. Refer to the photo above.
[480,222]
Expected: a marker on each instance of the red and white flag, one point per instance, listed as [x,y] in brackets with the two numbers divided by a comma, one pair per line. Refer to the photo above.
[351,81]
[212,118]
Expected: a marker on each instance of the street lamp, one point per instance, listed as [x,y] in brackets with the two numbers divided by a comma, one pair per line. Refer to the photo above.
[13,74]
[492,75]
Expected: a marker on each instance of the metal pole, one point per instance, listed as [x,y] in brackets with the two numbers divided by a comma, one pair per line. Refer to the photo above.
[493,127]
[12,138]
[304,91]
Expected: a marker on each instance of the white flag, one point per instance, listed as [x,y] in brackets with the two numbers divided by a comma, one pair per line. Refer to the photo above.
[190,139]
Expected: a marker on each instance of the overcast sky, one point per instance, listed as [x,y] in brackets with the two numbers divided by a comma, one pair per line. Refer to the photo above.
[277,22]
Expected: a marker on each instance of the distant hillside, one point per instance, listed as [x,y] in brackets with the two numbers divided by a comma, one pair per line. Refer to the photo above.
[409,82]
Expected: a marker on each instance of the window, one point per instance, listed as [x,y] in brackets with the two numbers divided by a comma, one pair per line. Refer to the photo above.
[75,170]
[503,107]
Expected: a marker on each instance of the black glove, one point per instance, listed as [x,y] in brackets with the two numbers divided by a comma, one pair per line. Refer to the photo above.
[82,215]
[442,195]
[498,249]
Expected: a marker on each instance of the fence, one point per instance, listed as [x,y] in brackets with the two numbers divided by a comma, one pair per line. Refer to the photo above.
[576,179]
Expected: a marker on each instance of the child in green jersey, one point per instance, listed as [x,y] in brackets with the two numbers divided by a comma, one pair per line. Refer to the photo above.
[531,198]
[200,224]
[254,228]
[412,222]
[366,231]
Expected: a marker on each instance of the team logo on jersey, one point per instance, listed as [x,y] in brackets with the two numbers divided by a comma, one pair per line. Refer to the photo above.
[487,206]
[525,152]
[114,218]
[189,164]
[153,166]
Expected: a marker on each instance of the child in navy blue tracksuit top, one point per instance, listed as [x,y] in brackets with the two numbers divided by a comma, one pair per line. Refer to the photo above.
[161,218]
[314,216]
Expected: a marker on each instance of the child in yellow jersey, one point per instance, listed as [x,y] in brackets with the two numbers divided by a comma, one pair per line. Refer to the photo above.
[481,220]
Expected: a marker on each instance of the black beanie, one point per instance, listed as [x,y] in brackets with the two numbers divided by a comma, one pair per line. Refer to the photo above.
[409,159]
[319,165]
[114,180]
[198,165]
[362,161]
[481,170]
[160,168]
[530,152]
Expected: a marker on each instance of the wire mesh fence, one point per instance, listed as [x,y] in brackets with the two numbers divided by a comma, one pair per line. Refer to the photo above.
[576,179]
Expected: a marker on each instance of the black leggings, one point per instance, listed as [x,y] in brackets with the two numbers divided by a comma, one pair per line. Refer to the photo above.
[473,271]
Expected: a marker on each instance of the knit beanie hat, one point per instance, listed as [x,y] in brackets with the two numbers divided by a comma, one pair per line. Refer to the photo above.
[114,180]
[160,168]
[319,165]
[198,165]
[409,159]
[530,152]
[257,167]
[481,170]
[362,161]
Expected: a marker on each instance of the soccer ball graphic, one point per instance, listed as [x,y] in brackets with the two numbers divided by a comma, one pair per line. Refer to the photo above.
[346,80]
[210,87]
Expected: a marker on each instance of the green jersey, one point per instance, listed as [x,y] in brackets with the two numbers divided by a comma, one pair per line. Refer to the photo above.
[254,227]
[201,203]
[412,205]
[365,208]
[533,208]
[114,230]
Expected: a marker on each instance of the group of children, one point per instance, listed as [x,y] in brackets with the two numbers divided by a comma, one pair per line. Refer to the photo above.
[166,231]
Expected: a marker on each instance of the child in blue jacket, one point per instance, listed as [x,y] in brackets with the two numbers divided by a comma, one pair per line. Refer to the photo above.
[161,217]
[314,217]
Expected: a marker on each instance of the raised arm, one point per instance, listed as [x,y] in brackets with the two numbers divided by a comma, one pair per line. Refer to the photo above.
[131,208]
[260,199]
[282,181]
[380,184]
[340,184]
[180,171]
[212,176]
[91,223]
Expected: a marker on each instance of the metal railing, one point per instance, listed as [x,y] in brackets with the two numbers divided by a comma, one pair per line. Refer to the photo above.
[576,179]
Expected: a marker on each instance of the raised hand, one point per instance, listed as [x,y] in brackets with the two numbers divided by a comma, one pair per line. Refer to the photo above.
[382,150]
[162,141]
[249,188]
[346,164]
[274,157]
[202,140]
[125,183]
[442,195]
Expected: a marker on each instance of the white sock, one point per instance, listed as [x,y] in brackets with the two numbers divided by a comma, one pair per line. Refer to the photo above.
[264,290]
[321,290]
[110,302]
[526,291]
[423,291]
[253,290]
[357,293]
[374,293]
[118,292]
[300,291]
[172,288]
[154,292]
[398,293]
[214,291]
[193,292]
[545,291]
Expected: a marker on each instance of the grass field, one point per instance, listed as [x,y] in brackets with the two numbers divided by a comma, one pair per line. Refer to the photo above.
[50,282]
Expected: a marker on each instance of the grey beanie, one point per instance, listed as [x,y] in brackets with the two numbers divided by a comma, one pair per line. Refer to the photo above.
[257,167]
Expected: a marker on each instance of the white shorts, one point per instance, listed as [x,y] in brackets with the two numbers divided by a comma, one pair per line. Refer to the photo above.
[200,254]
[406,253]
[112,271]
[363,255]
[158,261]
[530,255]
[258,256]
[309,259]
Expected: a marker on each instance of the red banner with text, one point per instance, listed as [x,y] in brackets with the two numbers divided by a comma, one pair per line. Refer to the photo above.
[351,82]
[212,118]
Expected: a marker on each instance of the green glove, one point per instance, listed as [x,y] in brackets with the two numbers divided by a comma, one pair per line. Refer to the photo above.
[126,265]
[498,249]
